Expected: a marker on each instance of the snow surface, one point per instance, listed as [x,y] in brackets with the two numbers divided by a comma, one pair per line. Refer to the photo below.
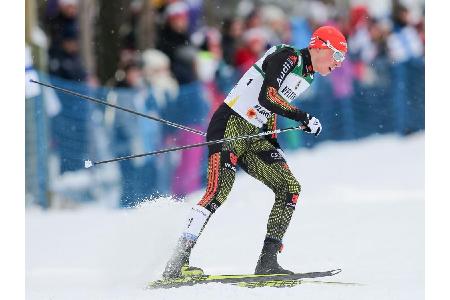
[361,209]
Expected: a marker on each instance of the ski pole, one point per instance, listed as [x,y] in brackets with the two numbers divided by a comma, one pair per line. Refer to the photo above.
[179,126]
[89,163]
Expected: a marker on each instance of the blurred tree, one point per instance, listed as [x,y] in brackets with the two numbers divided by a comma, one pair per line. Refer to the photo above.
[36,155]
[146,27]
[34,35]
[111,16]
[87,17]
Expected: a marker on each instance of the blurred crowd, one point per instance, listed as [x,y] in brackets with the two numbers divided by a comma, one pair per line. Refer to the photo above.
[192,65]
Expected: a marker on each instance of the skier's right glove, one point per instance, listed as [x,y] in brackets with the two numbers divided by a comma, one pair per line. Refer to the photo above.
[311,125]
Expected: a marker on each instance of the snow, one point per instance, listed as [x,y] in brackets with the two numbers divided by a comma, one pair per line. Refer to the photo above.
[361,209]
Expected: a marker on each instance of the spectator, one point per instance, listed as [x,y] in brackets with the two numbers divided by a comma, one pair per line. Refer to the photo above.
[318,13]
[195,15]
[149,135]
[361,47]
[342,85]
[254,44]
[404,43]
[164,91]
[129,29]
[277,25]
[65,61]
[158,76]
[253,20]
[192,108]
[125,133]
[231,34]
[420,27]
[217,77]
[208,40]
[301,29]
[404,48]
[64,52]
[69,128]
[130,76]
[62,17]
[174,41]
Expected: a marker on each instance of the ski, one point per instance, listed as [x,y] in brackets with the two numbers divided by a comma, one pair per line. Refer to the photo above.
[292,283]
[243,280]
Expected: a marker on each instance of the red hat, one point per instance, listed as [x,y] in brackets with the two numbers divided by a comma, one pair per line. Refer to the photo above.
[328,33]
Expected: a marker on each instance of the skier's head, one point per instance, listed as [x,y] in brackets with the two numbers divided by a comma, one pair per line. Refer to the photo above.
[328,48]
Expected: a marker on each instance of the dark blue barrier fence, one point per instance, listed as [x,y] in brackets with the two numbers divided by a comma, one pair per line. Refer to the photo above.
[348,108]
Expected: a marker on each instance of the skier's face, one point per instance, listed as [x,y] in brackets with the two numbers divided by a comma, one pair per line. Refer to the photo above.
[324,62]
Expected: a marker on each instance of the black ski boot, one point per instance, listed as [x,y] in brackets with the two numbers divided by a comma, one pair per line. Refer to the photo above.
[267,263]
[178,265]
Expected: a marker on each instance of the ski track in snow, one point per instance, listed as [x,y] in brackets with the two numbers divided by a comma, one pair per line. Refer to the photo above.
[361,209]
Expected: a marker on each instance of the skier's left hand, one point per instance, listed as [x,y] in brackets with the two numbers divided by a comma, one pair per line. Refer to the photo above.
[312,125]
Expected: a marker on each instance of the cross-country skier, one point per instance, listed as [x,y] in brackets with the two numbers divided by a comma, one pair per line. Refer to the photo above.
[263,92]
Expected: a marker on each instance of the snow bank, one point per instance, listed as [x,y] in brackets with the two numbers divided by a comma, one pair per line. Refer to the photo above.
[361,209]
